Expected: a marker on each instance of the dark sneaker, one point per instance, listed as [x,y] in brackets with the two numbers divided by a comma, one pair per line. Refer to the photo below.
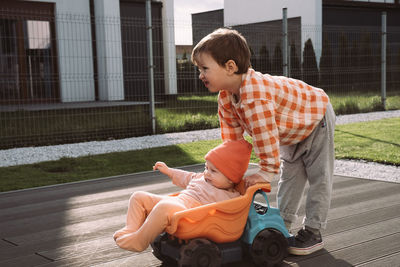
[305,242]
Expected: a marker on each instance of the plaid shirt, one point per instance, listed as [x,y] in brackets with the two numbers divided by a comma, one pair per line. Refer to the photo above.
[274,111]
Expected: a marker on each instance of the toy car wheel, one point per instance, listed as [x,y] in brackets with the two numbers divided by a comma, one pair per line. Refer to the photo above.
[200,253]
[269,248]
[156,246]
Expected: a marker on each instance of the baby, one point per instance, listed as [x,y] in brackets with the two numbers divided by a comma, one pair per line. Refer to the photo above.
[149,214]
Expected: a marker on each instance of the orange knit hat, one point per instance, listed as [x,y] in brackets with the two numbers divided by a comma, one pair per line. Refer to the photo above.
[231,158]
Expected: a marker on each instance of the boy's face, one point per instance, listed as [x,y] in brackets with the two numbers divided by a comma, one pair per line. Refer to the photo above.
[216,178]
[214,76]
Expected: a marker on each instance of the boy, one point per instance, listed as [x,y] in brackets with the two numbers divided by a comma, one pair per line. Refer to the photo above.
[287,119]
[149,214]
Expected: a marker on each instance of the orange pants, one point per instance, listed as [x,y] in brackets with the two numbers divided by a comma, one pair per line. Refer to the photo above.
[148,216]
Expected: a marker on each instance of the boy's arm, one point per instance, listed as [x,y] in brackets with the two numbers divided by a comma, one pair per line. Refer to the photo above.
[260,116]
[230,126]
[259,177]
[260,119]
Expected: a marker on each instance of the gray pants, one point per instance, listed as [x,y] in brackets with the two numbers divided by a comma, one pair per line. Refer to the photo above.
[310,160]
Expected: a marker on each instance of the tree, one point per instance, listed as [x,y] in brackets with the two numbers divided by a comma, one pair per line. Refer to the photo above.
[354,66]
[295,68]
[396,76]
[310,69]
[326,65]
[366,63]
[343,77]
[277,61]
[253,59]
[264,61]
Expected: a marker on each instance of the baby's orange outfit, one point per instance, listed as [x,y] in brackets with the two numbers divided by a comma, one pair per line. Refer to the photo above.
[149,214]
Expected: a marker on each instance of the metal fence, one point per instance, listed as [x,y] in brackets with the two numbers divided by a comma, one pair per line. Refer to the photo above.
[70,77]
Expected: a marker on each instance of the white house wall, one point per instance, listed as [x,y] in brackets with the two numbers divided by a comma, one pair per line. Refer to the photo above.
[75,54]
[237,12]
[109,50]
[169,47]
[74,47]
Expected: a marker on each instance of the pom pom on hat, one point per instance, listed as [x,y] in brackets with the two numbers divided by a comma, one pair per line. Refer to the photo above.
[231,158]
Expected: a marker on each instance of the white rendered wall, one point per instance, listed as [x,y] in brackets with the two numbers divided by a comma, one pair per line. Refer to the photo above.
[169,47]
[109,50]
[238,12]
[74,48]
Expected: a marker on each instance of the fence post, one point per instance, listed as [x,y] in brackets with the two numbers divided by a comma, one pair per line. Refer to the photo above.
[383,61]
[150,64]
[284,42]
[289,56]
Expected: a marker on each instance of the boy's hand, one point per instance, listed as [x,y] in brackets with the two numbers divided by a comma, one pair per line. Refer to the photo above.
[253,179]
[162,167]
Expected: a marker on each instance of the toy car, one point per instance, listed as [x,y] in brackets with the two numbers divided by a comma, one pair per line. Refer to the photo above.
[225,232]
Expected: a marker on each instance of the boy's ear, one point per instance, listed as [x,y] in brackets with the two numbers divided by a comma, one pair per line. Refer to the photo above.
[231,66]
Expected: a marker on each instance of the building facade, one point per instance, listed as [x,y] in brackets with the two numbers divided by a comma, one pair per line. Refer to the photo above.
[335,44]
[83,50]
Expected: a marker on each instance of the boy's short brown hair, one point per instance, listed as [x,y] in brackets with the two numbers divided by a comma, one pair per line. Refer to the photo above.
[225,44]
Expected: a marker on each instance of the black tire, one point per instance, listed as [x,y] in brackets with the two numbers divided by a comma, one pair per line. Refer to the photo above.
[200,253]
[269,248]
[156,246]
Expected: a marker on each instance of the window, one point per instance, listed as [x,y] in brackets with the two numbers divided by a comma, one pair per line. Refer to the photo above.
[28,59]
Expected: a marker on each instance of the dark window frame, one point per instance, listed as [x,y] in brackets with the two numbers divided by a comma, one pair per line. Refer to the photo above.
[21,12]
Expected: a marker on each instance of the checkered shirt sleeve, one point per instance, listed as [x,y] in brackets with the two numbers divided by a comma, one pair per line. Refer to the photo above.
[231,128]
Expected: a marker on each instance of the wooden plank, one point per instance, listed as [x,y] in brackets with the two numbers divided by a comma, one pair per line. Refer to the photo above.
[361,219]
[68,191]
[353,255]
[68,215]
[357,203]
[363,234]
[56,221]
[61,204]
[385,261]
[353,207]
[81,248]
[95,257]
[342,182]
[22,250]
[75,230]
[377,190]
[145,259]
[25,261]
[365,187]
[42,194]
[5,245]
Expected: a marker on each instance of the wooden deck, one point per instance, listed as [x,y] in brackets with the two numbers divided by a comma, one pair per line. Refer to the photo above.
[72,224]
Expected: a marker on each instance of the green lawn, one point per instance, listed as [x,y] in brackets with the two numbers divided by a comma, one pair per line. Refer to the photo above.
[200,112]
[377,141]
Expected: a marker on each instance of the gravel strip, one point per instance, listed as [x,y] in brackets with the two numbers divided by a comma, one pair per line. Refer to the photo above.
[29,155]
[371,116]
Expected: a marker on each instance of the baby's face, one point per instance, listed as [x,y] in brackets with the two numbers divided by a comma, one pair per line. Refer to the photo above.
[213,176]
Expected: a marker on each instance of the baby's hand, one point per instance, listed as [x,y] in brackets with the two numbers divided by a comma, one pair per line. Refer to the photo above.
[161,166]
